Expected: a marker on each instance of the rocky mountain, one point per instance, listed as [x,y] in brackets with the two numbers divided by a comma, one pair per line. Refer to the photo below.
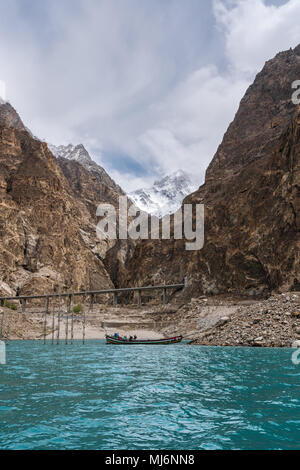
[251,196]
[166,195]
[90,185]
[9,117]
[78,153]
[47,217]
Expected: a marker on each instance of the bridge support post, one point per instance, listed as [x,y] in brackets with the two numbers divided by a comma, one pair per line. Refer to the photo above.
[2,325]
[165,299]
[67,326]
[69,303]
[8,326]
[84,320]
[24,305]
[72,320]
[45,318]
[115,299]
[139,299]
[72,328]
[53,322]
[58,320]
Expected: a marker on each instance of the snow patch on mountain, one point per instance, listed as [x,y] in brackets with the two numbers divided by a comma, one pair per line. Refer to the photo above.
[72,152]
[79,154]
[166,195]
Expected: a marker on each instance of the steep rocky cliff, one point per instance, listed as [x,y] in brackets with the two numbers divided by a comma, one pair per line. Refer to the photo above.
[47,229]
[79,154]
[251,196]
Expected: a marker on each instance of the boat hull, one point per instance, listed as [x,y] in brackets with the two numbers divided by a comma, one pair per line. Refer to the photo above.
[113,340]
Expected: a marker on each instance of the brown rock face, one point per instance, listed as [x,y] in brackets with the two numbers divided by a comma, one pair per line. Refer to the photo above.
[47,232]
[251,197]
[89,189]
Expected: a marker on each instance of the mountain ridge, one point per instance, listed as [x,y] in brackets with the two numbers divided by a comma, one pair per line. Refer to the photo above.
[252,200]
[48,231]
[251,197]
[80,154]
[165,196]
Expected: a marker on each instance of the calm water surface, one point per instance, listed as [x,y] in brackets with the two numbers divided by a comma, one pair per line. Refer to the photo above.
[148,397]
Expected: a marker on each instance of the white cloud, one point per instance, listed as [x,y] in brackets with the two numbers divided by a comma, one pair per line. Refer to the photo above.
[131,182]
[147,80]
[192,120]
[255,32]
[2,90]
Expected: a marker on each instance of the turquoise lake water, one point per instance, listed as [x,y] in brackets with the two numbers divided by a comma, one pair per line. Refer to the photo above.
[148,397]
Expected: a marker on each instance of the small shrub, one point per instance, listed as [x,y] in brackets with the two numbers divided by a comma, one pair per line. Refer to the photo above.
[77,308]
[6,304]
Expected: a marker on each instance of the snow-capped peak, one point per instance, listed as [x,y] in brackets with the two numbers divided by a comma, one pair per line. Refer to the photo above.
[166,195]
[71,152]
[79,154]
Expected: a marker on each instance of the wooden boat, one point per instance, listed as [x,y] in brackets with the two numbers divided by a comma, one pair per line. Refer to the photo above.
[115,340]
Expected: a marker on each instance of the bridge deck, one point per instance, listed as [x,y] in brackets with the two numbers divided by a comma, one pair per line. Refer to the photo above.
[98,292]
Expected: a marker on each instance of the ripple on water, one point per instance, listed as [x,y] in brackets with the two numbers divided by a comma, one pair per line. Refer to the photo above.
[168,397]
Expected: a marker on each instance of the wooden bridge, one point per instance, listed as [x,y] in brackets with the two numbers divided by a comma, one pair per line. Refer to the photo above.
[64,307]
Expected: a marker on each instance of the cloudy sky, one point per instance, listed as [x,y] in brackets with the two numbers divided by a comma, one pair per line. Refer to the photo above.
[149,86]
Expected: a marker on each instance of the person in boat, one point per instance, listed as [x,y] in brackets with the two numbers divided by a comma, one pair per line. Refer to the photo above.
[130,338]
[135,337]
[116,335]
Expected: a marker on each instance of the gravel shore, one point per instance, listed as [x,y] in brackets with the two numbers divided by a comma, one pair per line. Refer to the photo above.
[274,322]
[209,321]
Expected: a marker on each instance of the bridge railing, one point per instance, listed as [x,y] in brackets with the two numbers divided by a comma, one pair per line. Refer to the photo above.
[96,292]
[61,308]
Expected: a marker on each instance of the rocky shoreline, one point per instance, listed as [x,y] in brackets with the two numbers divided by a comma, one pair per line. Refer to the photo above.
[274,322]
[207,321]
